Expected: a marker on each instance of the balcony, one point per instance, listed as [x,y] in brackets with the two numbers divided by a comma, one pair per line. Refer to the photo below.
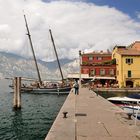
[101,63]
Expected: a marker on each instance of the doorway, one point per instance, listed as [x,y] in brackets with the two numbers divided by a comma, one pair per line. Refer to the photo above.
[129,84]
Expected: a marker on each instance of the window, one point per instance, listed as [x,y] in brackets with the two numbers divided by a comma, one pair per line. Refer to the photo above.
[85,71]
[99,58]
[102,72]
[111,71]
[92,72]
[129,73]
[90,58]
[129,60]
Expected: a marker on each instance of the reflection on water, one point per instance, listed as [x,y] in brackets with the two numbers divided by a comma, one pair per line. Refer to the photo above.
[35,118]
[17,124]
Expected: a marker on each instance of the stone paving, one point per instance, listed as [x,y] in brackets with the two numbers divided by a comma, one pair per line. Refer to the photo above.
[91,117]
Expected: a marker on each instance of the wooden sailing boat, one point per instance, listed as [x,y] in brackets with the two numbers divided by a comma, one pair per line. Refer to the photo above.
[40,86]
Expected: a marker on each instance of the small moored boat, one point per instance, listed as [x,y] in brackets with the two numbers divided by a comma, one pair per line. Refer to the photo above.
[131,109]
[123,100]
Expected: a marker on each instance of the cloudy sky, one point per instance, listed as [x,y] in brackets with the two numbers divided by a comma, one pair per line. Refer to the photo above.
[86,25]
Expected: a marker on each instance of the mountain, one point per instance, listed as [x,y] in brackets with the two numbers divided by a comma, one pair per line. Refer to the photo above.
[12,65]
[53,65]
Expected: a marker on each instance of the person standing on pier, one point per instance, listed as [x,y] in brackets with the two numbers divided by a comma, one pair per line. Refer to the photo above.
[76,87]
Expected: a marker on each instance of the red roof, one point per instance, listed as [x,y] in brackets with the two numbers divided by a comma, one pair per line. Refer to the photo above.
[129,51]
[98,53]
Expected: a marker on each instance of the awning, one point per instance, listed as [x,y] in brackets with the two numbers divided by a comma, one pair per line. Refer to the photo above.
[77,75]
[108,78]
[86,76]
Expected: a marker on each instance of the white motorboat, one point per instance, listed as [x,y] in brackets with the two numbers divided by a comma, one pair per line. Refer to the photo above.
[123,100]
[130,104]
[131,109]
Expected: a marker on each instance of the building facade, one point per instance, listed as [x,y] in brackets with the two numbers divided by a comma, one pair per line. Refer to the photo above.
[127,65]
[98,65]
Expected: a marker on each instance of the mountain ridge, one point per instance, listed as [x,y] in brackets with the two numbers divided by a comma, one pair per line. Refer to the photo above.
[13,65]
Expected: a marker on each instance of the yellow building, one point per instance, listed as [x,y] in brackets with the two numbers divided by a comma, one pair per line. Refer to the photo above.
[127,65]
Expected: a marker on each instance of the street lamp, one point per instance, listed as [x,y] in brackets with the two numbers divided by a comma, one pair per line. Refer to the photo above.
[80,67]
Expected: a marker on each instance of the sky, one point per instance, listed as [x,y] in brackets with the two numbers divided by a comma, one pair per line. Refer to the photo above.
[86,25]
[130,7]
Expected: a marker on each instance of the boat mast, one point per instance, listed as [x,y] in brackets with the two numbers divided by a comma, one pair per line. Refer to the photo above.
[31,44]
[56,55]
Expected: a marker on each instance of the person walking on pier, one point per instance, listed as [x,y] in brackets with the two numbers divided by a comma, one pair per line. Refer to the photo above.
[76,87]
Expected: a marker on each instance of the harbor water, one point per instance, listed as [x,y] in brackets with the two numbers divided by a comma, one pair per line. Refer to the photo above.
[34,119]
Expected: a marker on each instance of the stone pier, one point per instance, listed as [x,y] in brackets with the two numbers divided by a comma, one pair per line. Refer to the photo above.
[91,117]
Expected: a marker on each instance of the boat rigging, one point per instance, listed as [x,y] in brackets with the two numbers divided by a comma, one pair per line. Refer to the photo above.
[31,44]
[56,55]
[44,86]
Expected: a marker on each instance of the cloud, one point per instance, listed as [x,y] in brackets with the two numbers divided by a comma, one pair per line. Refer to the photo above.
[75,26]
[138,14]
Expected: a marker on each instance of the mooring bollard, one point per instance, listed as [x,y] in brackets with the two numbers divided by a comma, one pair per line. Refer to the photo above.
[65,114]
[129,116]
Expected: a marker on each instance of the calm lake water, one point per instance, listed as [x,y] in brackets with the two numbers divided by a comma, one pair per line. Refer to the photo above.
[34,119]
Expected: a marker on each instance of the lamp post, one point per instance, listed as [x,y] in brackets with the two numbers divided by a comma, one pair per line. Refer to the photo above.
[80,67]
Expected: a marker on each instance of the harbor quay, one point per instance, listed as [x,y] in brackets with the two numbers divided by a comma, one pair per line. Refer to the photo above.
[88,116]
[123,90]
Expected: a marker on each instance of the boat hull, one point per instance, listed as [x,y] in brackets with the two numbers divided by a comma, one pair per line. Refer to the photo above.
[63,90]
[131,109]
[123,100]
